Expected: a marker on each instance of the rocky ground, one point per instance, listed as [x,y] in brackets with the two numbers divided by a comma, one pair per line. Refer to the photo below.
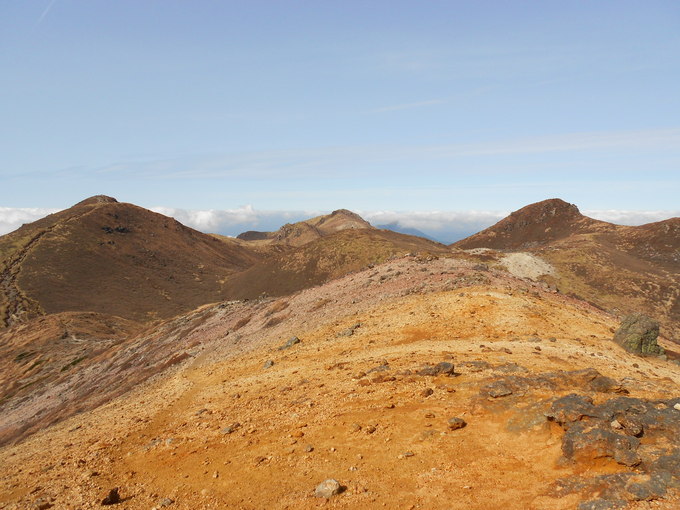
[420,383]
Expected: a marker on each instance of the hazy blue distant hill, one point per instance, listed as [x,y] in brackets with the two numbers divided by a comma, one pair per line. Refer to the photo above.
[396,227]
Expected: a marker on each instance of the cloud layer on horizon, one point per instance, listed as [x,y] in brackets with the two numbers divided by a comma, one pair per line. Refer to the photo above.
[11,218]
[445,226]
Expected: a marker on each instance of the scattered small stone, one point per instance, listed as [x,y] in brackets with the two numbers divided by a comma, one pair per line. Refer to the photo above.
[447,388]
[389,406]
[383,367]
[268,364]
[309,448]
[328,488]
[429,415]
[616,425]
[406,455]
[370,429]
[231,428]
[42,504]
[166,502]
[534,339]
[552,339]
[290,343]
[426,392]
[216,474]
[676,407]
[349,331]
[112,498]
[456,423]
[355,427]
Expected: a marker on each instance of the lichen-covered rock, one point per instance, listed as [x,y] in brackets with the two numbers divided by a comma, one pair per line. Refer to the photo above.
[638,334]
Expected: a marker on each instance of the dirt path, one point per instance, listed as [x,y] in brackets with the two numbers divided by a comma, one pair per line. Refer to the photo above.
[16,302]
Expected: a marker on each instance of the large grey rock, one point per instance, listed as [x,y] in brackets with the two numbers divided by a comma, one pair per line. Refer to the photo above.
[638,334]
[328,488]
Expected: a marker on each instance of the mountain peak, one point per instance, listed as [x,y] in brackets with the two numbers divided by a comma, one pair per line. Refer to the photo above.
[534,224]
[551,209]
[98,199]
[302,232]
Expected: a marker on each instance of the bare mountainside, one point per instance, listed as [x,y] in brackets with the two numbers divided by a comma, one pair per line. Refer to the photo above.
[119,259]
[325,258]
[115,259]
[620,268]
[302,232]
[419,383]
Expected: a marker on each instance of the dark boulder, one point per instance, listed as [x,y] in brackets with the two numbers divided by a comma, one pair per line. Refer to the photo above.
[638,334]
[112,498]
[571,408]
[582,444]
[443,368]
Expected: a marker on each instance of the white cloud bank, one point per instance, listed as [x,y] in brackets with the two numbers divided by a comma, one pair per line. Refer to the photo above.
[630,217]
[11,218]
[445,226]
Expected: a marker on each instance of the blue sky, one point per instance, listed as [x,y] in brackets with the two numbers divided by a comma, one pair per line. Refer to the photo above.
[374,106]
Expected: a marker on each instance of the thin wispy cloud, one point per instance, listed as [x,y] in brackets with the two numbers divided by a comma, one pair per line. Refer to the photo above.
[357,159]
[44,14]
[407,106]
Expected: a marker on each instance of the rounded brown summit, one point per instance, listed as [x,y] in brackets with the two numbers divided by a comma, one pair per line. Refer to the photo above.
[98,199]
[532,225]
